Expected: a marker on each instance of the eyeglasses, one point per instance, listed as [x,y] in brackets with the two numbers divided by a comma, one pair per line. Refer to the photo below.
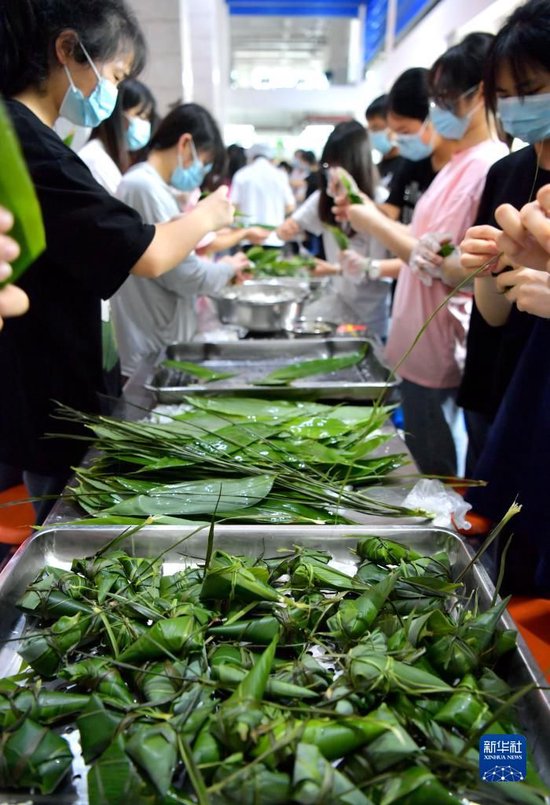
[450,102]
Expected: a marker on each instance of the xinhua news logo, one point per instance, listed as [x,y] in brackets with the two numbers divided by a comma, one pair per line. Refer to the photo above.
[502,758]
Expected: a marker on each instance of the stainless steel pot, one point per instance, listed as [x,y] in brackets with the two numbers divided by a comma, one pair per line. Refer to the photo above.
[261,307]
[310,328]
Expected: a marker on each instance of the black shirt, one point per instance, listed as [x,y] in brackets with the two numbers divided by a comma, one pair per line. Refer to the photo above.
[493,352]
[53,352]
[387,168]
[408,184]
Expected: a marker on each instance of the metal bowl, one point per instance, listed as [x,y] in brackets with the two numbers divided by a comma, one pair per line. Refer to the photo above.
[308,328]
[261,307]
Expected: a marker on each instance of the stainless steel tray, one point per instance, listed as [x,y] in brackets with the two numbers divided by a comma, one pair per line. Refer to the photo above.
[252,359]
[58,546]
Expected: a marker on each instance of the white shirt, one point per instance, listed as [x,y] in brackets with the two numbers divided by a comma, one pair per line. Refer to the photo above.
[102,167]
[348,302]
[152,313]
[262,192]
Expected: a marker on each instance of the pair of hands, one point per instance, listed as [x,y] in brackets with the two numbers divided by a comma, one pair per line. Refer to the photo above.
[518,254]
[13,301]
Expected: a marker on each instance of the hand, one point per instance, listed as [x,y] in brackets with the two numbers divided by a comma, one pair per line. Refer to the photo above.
[288,229]
[354,265]
[479,247]
[13,301]
[520,247]
[325,269]
[425,261]
[256,235]
[536,218]
[528,288]
[217,208]
[238,261]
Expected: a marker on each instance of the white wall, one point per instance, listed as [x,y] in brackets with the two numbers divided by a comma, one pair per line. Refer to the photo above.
[160,21]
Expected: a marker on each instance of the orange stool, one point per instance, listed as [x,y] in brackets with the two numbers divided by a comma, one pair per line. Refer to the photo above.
[16,520]
[532,617]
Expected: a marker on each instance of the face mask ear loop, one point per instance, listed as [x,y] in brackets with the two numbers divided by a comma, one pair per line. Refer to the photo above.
[69,76]
[90,61]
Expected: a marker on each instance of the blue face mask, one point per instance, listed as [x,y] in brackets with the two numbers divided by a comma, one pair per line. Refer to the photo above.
[138,133]
[381,141]
[449,125]
[90,111]
[413,147]
[526,118]
[187,179]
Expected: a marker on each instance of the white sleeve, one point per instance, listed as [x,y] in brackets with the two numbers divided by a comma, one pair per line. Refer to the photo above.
[290,201]
[307,215]
[196,276]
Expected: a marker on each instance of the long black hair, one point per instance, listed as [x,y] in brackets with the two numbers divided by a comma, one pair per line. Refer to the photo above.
[410,94]
[347,147]
[132,94]
[189,118]
[523,41]
[461,67]
[29,30]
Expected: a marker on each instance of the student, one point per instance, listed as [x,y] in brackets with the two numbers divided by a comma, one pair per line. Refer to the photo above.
[366,302]
[432,372]
[514,462]
[107,152]
[13,301]
[423,152]
[68,57]
[518,67]
[382,139]
[151,313]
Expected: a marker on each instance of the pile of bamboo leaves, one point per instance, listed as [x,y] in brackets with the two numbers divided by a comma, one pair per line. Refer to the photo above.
[260,681]
[241,459]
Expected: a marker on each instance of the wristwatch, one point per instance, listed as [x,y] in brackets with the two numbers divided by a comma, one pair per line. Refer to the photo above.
[372,268]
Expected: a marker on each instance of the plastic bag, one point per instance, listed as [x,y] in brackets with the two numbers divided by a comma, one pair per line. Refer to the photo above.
[447,507]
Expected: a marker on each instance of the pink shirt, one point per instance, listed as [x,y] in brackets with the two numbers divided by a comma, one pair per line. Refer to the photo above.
[449,206]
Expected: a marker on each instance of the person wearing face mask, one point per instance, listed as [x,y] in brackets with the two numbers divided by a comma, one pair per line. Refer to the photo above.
[149,314]
[517,87]
[382,140]
[67,57]
[432,370]
[107,153]
[422,151]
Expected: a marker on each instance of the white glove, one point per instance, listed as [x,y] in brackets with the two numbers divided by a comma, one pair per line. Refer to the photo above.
[357,268]
[425,261]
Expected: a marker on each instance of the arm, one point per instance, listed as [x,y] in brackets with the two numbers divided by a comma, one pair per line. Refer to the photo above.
[175,240]
[197,276]
[394,235]
[390,210]
[231,237]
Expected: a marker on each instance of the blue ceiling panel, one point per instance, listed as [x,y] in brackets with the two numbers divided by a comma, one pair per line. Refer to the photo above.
[302,8]
[409,12]
[375,28]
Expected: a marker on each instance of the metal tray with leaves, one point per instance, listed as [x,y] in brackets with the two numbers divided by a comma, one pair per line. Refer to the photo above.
[249,361]
[183,547]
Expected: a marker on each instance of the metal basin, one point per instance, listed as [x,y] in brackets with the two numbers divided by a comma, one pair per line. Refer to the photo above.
[312,328]
[262,307]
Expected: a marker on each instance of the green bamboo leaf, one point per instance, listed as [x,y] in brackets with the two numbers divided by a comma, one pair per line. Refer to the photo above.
[17,195]
[342,240]
[115,780]
[153,748]
[197,497]
[318,366]
[34,757]
[202,372]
